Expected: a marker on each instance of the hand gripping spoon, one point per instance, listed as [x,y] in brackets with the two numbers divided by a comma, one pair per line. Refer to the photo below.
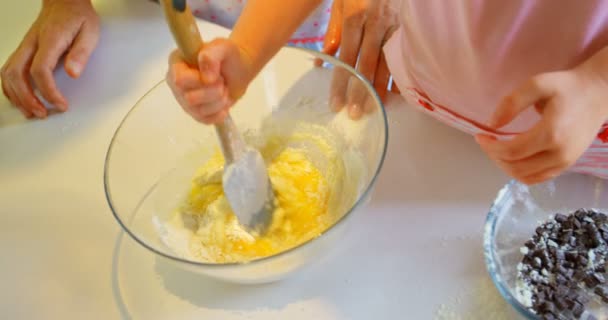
[245,180]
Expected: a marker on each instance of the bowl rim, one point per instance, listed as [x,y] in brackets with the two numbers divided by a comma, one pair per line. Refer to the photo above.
[488,236]
[360,201]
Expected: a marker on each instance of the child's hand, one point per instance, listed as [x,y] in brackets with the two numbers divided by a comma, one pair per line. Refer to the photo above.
[68,27]
[573,105]
[208,90]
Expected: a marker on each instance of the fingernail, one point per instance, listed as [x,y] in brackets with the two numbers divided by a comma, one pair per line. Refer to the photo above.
[39,113]
[61,104]
[354,110]
[74,67]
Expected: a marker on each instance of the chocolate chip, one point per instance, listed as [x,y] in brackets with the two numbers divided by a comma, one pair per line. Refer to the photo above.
[583,298]
[596,239]
[579,275]
[556,259]
[547,307]
[562,291]
[561,218]
[541,296]
[560,279]
[577,310]
[529,244]
[561,304]
[560,269]
[602,292]
[591,281]
[540,231]
[548,316]
[599,278]
[571,255]
[580,214]
[570,302]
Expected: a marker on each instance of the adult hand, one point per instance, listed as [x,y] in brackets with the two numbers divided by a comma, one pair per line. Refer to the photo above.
[69,27]
[359,29]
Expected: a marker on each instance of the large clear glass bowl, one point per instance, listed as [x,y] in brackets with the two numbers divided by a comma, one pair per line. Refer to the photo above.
[518,210]
[157,148]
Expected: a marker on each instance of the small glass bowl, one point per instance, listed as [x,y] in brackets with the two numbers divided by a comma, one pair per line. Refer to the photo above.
[519,209]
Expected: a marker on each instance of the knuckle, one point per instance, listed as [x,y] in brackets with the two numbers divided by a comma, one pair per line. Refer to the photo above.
[38,71]
[563,158]
[554,139]
[356,20]
[191,98]
[11,74]
[510,154]
[206,120]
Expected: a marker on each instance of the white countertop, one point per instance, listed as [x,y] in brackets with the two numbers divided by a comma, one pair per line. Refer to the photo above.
[415,253]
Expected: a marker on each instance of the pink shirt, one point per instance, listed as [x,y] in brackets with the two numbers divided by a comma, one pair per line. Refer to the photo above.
[457,59]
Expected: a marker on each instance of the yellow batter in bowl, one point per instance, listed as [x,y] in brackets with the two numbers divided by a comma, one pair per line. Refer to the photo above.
[306,166]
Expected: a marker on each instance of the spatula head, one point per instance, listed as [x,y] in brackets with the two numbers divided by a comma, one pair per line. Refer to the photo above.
[249,192]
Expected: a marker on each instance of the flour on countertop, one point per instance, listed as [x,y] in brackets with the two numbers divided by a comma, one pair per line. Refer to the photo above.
[482,302]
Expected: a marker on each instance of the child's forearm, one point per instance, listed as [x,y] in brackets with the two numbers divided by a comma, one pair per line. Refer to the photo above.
[266,25]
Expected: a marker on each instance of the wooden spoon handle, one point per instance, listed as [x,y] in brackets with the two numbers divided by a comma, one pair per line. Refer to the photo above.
[184,29]
[188,38]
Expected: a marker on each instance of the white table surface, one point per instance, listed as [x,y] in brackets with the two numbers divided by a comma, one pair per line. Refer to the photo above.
[415,253]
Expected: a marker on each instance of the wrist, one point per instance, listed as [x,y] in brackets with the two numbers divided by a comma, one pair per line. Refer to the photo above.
[595,70]
[251,62]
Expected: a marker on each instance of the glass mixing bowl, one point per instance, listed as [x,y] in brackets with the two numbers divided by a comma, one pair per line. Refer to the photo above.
[518,210]
[158,147]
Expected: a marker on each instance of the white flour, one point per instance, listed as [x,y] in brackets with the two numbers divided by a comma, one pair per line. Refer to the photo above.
[482,302]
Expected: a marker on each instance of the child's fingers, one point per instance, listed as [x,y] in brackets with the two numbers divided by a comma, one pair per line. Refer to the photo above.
[212,108]
[524,145]
[186,78]
[536,90]
[210,60]
[206,95]
[215,118]
[181,75]
[542,176]
[531,166]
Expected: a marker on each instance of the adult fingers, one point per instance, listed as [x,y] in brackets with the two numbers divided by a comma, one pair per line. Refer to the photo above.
[81,49]
[45,60]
